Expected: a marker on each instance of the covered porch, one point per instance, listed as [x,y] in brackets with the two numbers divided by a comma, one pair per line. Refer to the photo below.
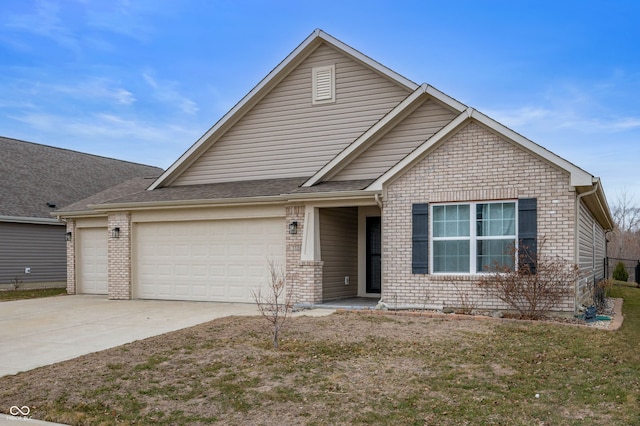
[334,256]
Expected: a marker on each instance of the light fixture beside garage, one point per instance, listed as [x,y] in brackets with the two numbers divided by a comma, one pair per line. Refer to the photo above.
[68,236]
[115,233]
[293,227]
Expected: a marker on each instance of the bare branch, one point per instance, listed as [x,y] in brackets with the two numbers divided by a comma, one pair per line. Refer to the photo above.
[533,293]
[275,302]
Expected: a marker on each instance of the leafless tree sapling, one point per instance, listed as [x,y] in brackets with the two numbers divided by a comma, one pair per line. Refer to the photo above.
[275,301]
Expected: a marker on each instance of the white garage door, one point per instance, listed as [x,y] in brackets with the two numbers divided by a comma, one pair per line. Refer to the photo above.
[218,260]
[92,260]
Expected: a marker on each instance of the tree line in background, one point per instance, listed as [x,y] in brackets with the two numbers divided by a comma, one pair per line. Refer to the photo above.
[624,240]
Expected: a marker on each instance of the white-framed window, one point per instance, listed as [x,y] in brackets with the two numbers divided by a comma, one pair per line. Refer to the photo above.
[472,237]
[324,84]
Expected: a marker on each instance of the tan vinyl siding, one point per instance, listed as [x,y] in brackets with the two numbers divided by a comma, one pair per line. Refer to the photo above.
[585,242]
[591,246]
[600,252]
[419,126]
[39,247]
[285,135]
[339,248]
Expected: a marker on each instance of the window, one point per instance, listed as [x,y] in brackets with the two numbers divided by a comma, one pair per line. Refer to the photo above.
[472,236]
[324,87]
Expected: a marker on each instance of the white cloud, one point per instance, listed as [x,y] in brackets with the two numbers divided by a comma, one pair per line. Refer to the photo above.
[167,92]
[31,88]
[45,22]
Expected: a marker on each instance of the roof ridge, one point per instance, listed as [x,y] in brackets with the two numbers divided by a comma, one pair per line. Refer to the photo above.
[77,152]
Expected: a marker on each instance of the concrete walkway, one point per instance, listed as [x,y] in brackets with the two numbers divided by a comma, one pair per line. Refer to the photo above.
[39,332]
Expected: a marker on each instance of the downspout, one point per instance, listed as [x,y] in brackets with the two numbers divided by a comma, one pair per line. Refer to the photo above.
[576,237]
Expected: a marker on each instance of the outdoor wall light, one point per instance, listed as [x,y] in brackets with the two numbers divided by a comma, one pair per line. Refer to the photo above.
[115,233]
[67,236]
[293,227]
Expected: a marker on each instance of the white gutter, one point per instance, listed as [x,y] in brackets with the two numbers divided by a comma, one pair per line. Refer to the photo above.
[576,239]
[31,220]
[177,204]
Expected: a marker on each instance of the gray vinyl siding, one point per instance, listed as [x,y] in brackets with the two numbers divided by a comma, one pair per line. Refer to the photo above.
[591,246]
[339,248]
[285,135]
[39,247]
[419,126]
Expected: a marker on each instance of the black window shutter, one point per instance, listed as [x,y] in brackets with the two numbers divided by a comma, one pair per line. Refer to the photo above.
[420,239]
[528,233]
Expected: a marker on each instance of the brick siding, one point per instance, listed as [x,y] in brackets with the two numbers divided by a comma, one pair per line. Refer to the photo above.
[119,255]
[304,277]
[473,165]
[71,258]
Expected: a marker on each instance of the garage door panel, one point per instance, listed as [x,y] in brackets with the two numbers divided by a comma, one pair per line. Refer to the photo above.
[210,260]
[92,261]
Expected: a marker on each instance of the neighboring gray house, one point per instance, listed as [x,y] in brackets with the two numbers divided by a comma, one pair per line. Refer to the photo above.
[35,180]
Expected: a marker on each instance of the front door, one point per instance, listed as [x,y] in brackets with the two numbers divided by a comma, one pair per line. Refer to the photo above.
[374,255]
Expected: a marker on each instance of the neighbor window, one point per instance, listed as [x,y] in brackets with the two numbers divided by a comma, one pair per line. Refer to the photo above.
[472,237]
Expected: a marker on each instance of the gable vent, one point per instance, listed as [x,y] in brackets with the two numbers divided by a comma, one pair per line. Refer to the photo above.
[324,84]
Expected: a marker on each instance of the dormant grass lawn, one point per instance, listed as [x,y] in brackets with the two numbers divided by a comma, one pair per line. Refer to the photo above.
[351,369]
[7,295]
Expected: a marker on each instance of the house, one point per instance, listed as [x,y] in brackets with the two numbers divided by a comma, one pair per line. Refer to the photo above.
[35,180]
[359,181]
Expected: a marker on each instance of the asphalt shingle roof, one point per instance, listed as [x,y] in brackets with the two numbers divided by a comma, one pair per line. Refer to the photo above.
[134,191]
[32,175]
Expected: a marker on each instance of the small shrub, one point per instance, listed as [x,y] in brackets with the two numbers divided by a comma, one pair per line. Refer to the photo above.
[601,292]
[466,302]
[16,283]
[620,272]
[535,290]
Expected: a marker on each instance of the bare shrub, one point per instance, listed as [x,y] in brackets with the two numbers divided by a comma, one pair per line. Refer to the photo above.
[16,283]
[533,291]
[275,302]
[601,293]
[466,302]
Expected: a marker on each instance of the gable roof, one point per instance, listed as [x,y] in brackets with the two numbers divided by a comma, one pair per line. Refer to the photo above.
[584,182]
[387,122]
[37,179]
[265,86]
[321,183]
[579,177]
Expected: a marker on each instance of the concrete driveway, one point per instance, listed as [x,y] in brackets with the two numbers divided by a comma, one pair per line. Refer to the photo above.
[39,332]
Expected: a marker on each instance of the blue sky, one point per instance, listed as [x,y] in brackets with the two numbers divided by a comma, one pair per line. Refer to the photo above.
[142,80]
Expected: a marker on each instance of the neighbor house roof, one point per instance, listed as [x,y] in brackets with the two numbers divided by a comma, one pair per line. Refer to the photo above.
[37,179]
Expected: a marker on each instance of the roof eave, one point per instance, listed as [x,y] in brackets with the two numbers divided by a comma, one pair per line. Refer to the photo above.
[597,204]
[177,204]
[30,220]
